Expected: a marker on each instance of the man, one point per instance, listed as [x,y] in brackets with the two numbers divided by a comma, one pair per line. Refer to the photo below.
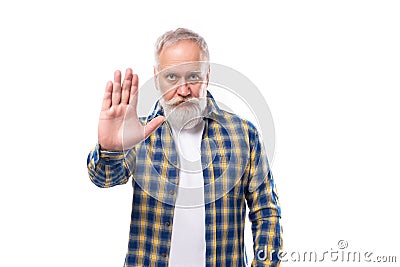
[193,166]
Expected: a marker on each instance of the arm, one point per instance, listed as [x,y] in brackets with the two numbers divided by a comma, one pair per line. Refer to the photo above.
[119,131]
[263,203]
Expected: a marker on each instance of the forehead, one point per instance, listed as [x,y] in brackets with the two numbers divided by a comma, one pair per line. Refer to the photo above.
[181,52]
[199,67]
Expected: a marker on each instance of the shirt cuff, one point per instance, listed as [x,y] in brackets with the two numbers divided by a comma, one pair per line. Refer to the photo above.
[106,155]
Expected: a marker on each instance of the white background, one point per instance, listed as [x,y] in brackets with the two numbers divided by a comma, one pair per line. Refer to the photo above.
[329,71]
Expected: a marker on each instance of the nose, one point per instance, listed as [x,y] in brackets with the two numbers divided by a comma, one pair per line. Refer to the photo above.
[183,90]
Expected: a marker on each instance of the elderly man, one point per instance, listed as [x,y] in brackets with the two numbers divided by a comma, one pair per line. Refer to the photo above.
[193,166]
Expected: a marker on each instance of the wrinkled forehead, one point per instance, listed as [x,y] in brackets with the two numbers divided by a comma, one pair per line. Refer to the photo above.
[182,68]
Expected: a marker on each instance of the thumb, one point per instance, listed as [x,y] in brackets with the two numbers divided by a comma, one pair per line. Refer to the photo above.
[153,125]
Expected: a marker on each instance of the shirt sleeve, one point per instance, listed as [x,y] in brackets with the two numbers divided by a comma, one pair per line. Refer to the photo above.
[107,169]
[264,208]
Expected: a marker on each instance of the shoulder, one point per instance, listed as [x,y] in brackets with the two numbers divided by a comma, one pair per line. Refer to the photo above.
[239,124]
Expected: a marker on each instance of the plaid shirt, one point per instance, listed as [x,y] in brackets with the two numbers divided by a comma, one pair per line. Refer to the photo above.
[235,170]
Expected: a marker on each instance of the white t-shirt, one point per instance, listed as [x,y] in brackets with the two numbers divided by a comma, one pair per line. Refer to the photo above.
[188,244]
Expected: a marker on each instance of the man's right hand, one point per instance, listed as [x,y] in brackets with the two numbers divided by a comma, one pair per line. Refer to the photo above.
[119,113]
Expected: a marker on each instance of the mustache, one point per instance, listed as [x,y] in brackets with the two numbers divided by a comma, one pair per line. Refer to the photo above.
[179,100]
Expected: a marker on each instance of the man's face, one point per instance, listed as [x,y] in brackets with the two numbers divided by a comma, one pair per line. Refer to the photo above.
[180,71]
[182,80]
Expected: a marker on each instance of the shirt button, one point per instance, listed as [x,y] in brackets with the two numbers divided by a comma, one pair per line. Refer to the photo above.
[167,223]
[164,254]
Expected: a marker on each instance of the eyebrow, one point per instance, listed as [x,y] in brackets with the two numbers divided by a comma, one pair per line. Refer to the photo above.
[167,72]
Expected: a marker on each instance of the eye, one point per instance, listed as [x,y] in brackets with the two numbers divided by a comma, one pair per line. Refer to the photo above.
[171,77]
[194,77]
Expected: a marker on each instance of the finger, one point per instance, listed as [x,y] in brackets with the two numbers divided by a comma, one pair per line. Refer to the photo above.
[107,96]
[126,86]
[134,89]
[116,93]
[153,125]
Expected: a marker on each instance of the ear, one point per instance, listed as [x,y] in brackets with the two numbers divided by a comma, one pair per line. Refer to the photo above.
[208,76]
[155,77]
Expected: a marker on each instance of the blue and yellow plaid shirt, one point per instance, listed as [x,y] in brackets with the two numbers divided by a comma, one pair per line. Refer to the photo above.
[235,170]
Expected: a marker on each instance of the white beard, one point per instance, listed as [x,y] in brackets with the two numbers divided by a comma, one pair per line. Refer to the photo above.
[184,113]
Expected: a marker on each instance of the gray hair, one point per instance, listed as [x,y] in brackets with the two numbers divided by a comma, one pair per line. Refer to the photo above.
[171,37]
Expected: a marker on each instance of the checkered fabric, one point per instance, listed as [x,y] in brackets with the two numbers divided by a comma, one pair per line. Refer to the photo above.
[235,171]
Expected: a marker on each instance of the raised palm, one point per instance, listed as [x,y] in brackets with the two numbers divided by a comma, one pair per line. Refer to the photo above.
[119,125]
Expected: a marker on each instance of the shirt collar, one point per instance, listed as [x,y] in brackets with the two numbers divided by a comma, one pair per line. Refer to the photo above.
[212,109]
